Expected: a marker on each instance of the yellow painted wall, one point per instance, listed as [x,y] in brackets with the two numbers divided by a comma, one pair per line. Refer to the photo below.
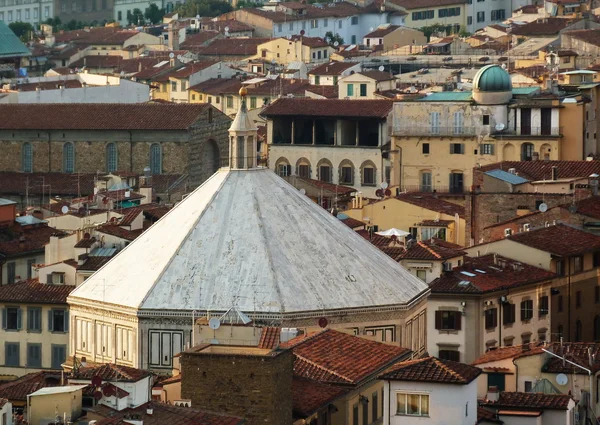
[452,20]
[45,406]
[284,51]
[572,115]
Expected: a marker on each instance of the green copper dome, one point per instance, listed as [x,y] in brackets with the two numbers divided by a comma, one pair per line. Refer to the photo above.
[492,78]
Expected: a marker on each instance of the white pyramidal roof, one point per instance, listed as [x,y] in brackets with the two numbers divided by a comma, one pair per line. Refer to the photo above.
[249,239]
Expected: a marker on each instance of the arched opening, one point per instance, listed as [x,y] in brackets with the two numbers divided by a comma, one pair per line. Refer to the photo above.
[508,152]
[325,171]
[155,159]
[368,173]
[27,158]
[211,156]
[303,168]
[68,158]
[111,158]
[546,151]
[283,167]
[527,151]
[346,170]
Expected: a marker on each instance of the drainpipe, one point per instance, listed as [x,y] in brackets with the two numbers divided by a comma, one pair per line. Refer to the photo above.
[389,402]
[569,297]
[49,154]
[130,151]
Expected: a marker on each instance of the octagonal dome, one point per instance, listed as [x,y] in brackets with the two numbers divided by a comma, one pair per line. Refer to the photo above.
[492,78]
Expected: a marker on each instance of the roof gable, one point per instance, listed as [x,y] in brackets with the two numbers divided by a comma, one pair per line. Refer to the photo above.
[431,369]
[561,240]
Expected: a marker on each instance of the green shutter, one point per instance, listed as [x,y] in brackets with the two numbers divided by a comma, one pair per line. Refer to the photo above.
[66,320]
[50,321]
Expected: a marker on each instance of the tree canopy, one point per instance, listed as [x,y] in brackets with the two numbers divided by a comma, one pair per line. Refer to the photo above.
[136,17]
[154,14]
[21,29]
[210,8]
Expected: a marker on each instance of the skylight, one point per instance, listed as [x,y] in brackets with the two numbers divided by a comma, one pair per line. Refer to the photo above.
[480,271]
[469,274]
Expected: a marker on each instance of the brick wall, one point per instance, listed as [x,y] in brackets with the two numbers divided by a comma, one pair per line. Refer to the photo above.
[209,145]
[258,388]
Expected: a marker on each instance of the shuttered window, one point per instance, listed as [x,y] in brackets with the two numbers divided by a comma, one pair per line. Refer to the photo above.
[59,355]
[448,320]
[508,314]
[11,319]
[34,319]
[12,354]
[34,355]
[491,318]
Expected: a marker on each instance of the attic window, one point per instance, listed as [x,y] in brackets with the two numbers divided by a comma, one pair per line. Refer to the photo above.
[56,278]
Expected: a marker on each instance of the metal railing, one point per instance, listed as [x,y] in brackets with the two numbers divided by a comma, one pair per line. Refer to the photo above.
[431,189]
[434,131]
[528,131]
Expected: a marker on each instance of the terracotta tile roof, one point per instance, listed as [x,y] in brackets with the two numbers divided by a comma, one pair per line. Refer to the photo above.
[528,8]
[100,116]
[378,109]
[542,170]
[312,42]
[149,72]
[381,32]
[171,380]
[61,183]
[93,263]
[164,414]
[99,61]
[119,232]
[567,52]
[220,25]
[243,47]
[130,214]
[512,352]
[338,9]
[309,396]
[432,203]
[378,75]
[561,240]
[33,292]
[111,372]
[386,244]
[131,66]
[545,26]
[488,273]
[531,401]
[218,86]
[432,249]
[331,356]
[100,35]
[353,223]
[85,243]
[576,352]
[486,416]
[328,92]
[432,369]
[332,68]
[163,183]
[589,207]
[19,389]
[269,338]
[32,239]
[119,195]
[156,213]
[185,71]
[588,36]
[49,85]
[198,39]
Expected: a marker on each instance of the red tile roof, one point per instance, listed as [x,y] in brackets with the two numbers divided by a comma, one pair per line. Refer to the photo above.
[49,85]
[242,47]
[269,338]
[330,187]
[19,389]
[433,250]
[100,35]
[332,68]
[577,352]
[119,232]
[220,25]
[589,207]
[561,240]
[334,357]
[432,203]
[531,401]
[32,239]
[198,39]
[386,244]
[488,273]
[328,92]
[85,243]
[545,26]
[33,292]
[418,4]
[185,71]
[382,31]
[376,108]
[164,414]
[432,369]
[312,42]
[542,170]
[61,183]
[353,223]
[101,116]
[485,416]
[378,75]
[512,352]
[93,263]
[111,372]
[99,61]
[587,36]
[309,396]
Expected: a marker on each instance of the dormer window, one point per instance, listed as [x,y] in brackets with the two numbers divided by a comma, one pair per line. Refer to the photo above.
[56,278]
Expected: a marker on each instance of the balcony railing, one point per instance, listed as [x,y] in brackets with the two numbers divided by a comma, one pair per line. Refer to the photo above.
[528,131]
[432,189]
[434,131]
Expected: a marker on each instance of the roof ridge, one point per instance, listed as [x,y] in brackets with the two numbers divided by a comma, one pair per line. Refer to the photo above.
[447,368]
[428,248]
[339,375]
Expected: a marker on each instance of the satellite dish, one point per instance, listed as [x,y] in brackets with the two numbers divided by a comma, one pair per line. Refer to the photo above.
[214,323]
[384,185]
[388,192]
[379,193]
[302,32]
[572,208]
[500,126]
[179,57]
[127,194]
[323,322]
[86,236]
[197,16]
[96,381]
[226,29]
[303,191]
[289,37]
[382,68]
[81,211]
[98,395]
[562,379]
[336,43]
[171,55]
[371,29]
[543,207]
[64,209]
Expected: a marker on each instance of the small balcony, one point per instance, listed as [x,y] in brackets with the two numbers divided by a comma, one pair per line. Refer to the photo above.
[527,131]
[436,131]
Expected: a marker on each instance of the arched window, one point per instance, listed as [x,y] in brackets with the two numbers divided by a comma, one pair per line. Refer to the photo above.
[578,331]
[283,167]
[526,151]
[68,158]
[597,328]
[303,168]
[368,174]
[155,159]
[346,169]
[27,158]
[111,158]
[325,170]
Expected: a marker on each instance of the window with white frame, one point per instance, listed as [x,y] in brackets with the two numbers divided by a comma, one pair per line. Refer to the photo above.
[433,232]
[412,404]
[434,122]
[487,148]
[314,23]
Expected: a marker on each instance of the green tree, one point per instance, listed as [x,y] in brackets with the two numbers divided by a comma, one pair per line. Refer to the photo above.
[54,22]
[241,4]
[332,38]
[136,17]
[154,14]
[203,8]
[22,30]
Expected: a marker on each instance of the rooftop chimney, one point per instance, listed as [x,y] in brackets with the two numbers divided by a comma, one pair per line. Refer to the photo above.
[554,172]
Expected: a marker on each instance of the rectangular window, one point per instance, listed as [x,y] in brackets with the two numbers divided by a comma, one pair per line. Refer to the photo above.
[11,272]
[425,149]
[560,267]
[469,20]
[560,303]
[163,346]
[355,414]
[340,23]
[46,11]
[368,175]
[528,386]
[434,122]
[325,22]
[58,320]
[10,16]
[526,310]
[314,23]
[433,232]
[497,380]
[304,171]
[487,149]
[447,320]
[491,318]
[374,407]
[11,318]
[363,90]
[543,306]
[18,15]
[230,101]
[317,80]
[426,184]
[34,319]
[459,119]
[27,14]
[578,264]
[365,412]
[284,170]
[422,274]
[457,148]
[508,313]
[353,39]
[252,103]
[34,355]
[12,354]
[183,85]
[279,27]
[173,86]
[412,404]
[350,90]
[120,15]
[291,26]
[453,355]
[346,175]
[354,20]
[325,173]
[59,355]
[480,16]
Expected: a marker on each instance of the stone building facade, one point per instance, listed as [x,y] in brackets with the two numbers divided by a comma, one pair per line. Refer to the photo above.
[171,139]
